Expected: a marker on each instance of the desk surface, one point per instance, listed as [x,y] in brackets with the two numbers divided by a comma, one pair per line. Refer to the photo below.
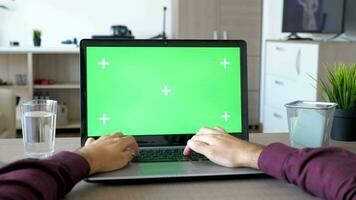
[257,188]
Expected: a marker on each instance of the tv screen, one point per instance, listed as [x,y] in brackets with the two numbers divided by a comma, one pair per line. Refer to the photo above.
[313,16]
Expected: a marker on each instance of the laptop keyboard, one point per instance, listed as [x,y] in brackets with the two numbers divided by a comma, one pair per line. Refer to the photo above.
[166,155]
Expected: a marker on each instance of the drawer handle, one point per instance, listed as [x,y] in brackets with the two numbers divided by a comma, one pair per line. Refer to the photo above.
[277,116]
[280,49]
[278,82]
[297,64]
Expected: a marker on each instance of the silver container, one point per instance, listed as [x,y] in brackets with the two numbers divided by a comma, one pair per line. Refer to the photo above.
[310,123]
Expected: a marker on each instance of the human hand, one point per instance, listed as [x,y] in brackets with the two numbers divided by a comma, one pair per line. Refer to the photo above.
[109,152]
[224,149]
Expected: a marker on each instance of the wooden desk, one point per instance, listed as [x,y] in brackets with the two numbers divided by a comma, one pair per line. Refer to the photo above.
[257,188]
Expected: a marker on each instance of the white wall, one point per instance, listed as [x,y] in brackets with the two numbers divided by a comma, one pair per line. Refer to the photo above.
[66,19]
[272,19]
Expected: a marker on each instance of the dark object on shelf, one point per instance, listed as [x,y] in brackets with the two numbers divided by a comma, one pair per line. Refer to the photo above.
[3,83]
[37,38]
[295,36]
[41,95]
[162,35]
[74,41]
[44,82]
[14,43]
[344,128]
[112,37]
[121,31]
[17,100]
[37,42]
[254,128]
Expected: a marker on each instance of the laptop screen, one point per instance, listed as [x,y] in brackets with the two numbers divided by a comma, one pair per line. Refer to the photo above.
[162,90]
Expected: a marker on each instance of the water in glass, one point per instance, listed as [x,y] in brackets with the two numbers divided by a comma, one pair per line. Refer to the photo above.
[39,132]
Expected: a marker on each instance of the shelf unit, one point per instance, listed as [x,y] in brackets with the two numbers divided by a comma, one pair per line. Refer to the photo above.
[60,64]
[58,86]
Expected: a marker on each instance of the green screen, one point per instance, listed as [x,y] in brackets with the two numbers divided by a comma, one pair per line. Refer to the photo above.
[162,90]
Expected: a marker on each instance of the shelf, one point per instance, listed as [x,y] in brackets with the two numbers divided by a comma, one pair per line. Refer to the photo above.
[35,50]
[71,124]
[14,87]
[58,86]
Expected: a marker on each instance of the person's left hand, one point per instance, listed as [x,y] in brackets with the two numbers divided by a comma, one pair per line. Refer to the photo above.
[109,152]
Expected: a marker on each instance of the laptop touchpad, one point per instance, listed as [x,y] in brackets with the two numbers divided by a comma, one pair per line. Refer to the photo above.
[149,169]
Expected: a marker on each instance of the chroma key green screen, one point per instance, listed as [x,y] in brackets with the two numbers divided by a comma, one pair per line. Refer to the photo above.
[162,90]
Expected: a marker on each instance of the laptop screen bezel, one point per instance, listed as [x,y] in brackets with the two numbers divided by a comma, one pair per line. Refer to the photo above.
[162,140]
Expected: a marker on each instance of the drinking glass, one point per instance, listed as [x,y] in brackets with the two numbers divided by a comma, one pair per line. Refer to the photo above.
[39,127]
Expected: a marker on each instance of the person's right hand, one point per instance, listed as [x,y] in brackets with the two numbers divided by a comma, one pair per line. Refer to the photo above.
[224,149]
[109,152]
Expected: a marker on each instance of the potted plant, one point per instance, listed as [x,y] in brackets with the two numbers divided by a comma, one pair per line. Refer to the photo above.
[37,37]
[340,87]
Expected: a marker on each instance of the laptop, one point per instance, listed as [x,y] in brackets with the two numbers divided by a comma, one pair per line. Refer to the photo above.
[161,92]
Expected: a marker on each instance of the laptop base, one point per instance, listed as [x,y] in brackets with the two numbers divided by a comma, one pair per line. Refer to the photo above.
[170,170]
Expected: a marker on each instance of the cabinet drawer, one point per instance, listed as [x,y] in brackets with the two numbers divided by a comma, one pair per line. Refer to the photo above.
[292,60]
[280,91]
[283,59]
[275,120]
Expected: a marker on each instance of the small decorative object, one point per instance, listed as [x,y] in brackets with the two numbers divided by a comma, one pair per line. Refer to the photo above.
[118,32]
[163,34]
[4,83]
[43,82]
[340,87]
[74,41]
[14,43]
[21,79]
[62,114]
[37,37]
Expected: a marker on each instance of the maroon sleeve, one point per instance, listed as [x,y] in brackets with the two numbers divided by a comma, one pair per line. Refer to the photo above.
[329,173]
[49,178]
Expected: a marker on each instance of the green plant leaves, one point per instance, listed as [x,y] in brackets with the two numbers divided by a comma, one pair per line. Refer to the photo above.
[4,7]
[340,85]
[37,34]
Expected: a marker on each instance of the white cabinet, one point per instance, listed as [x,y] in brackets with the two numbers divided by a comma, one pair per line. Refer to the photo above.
[289,74]
[288,77]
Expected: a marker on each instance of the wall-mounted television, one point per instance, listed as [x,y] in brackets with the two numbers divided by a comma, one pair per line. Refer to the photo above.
[313,16]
